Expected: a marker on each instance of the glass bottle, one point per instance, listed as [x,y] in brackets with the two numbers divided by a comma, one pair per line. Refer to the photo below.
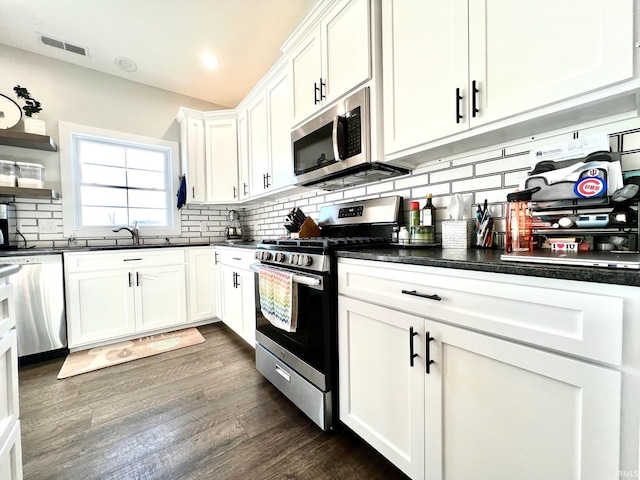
[428,220]
[414,220]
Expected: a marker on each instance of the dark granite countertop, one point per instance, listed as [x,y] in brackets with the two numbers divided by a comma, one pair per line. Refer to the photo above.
[489,261]
[20,252]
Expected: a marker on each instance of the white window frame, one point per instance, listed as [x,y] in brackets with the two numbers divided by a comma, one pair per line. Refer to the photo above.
[70,207]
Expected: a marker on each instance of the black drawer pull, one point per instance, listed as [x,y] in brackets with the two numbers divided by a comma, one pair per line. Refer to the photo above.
[428,353]
[459,116]
[411,354]
[421,295]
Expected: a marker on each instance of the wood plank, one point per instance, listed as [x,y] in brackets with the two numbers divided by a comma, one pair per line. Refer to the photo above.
[201,412]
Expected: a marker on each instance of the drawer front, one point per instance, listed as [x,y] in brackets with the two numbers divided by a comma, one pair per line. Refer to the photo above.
[562,319]
[237,257]
[88,261]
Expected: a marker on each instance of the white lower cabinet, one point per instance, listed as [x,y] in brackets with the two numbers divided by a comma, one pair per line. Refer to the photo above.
[486,408]
[202,283]
[115,295]
[237,292]
[10,443]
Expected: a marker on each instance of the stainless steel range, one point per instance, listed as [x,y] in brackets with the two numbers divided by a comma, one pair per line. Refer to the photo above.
[303,363]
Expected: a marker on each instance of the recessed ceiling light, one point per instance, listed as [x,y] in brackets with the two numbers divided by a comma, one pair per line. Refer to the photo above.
[126,64]
[209,61]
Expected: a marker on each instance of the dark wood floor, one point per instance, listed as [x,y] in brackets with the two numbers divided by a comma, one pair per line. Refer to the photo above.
[201,412]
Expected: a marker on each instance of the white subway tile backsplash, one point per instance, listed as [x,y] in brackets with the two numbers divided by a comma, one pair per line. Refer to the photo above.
[513,178]
[411,181]
[630,161]
[479,183]
[451,174]
[503,165]
[466,159]
[440,189]
[381,187]
[334,197]
[631,141]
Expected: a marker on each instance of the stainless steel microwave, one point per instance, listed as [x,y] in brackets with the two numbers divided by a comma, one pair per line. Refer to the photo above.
[333,149]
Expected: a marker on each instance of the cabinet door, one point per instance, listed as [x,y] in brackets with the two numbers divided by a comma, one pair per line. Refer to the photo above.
[381,394]
[258,146]
[243,157]
[232,307]
[202,284]
[524,55]
[9,407]
[426,60]
[222,160]
[247,287]
[280,122]
[100,306]
[346,35]
[193,158]
[306,72]
[160,297]
[496,409]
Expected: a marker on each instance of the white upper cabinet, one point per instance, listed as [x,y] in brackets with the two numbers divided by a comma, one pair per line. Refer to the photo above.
[454,66]
[280,119]
[332,58]
[243,156]
[269,118]
[258,146]
[523,55]
[192,154]
[221,153]
[209,150]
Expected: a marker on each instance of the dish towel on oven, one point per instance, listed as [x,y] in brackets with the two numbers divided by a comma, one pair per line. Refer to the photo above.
[278,298]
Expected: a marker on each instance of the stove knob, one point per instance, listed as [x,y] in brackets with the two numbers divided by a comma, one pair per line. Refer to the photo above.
[257,255]
[304,260]
[293,259]
[266,256]
[279,257]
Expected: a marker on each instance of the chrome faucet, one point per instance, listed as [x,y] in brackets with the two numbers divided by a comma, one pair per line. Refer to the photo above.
[135,232]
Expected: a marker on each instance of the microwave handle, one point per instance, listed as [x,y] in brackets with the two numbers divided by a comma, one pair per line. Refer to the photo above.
[339,137]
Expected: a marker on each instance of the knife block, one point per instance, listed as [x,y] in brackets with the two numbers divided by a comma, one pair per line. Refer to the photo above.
[308,229]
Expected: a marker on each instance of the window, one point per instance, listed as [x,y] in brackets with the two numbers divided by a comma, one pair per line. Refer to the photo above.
[111,179]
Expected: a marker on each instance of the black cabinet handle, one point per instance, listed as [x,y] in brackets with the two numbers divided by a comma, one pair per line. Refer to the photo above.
[459,116]
[130,281]
[244,188]
[323,89]
[267,177]
[137,279]
[264,180]
[411,354]
[215,261]
[421,295]
[193,192]
[428,354]
[316,91]
[234,192]
[474,99]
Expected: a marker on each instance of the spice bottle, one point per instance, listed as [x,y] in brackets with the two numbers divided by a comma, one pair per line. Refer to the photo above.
[414,220]
[428,220]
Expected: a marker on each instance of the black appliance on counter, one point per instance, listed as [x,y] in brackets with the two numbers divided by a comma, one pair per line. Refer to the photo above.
[303,364]
[7,226]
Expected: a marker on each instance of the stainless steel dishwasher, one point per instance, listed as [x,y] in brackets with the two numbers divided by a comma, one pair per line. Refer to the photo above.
[39,303]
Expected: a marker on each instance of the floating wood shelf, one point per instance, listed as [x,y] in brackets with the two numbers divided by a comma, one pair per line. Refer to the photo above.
[14,138]
[28,192]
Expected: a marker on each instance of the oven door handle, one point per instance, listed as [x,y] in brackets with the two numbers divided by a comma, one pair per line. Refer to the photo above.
[314,282]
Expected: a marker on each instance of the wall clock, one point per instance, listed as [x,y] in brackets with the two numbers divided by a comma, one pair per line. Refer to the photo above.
[10,112]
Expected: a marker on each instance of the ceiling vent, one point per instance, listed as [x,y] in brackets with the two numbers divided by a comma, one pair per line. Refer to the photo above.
[62,45]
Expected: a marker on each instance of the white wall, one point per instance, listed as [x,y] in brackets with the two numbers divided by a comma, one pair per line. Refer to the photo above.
[78,95]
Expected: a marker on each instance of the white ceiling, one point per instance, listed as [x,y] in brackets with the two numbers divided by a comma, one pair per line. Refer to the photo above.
[165,38]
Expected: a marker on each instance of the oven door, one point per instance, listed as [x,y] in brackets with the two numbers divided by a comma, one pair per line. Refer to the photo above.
[308,349]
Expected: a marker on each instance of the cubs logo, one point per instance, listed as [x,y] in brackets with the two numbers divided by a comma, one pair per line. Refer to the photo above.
[589,187]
